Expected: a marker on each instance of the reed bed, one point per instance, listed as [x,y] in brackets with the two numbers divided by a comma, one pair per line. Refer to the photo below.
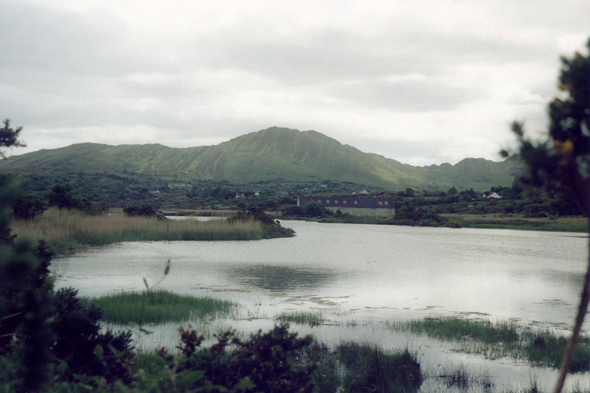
[538,347]
[65,230]
[160,306]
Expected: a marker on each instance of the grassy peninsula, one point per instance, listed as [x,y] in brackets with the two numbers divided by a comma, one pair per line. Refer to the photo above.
[68,230]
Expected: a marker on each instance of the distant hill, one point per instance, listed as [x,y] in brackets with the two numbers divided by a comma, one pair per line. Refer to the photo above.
[270,154]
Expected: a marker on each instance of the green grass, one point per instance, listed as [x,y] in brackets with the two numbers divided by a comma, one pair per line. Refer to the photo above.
[498,221]
[541,347]
[160,306]
[527,226]
[463,329]
[302,318]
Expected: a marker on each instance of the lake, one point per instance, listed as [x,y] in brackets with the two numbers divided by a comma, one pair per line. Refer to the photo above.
[363,275]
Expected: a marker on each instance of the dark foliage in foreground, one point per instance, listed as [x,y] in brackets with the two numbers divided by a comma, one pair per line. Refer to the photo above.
[46,337]
[264,363]
[561,163]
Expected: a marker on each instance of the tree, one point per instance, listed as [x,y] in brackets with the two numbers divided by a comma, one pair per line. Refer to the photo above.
[315,209]
[62,197]
[9,137]
[452,191]
[561,162]
[36,323]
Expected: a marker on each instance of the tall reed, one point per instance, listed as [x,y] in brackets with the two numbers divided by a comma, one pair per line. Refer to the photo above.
[68,229]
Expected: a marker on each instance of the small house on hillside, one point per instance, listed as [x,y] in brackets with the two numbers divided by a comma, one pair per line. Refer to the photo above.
[355,205]
[492,195]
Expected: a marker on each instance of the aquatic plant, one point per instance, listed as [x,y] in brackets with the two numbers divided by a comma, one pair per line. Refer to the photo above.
[160,306]
[302,318]
[369,367]
[494,339]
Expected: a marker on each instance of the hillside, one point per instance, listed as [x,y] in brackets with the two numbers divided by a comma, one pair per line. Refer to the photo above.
[270,154]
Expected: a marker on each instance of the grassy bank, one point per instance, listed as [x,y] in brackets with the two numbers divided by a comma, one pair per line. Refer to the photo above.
[160,306]
[67,230]
[541,348]
[489,221]
[497,221]
[347,219]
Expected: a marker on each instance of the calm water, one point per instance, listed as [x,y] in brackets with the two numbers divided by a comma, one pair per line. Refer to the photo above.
[376,271]
[361,273]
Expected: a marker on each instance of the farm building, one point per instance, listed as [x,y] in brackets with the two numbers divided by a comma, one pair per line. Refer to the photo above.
[355,205]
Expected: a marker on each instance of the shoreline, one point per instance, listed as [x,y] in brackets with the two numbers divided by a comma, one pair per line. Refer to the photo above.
[562,224]
[67,232]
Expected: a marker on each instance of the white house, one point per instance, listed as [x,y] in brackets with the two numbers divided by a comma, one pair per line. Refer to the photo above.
[492,195]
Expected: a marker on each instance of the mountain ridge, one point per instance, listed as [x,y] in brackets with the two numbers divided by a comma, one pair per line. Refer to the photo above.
[270,154]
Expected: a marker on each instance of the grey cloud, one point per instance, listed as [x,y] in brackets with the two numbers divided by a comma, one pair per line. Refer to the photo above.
[42,38]
[408,95]
[61,71]
[418,153]
[322,55]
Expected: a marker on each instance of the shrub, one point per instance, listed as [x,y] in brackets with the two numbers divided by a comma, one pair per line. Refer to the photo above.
[293,211]
[45,334]
[270,226]
[315,209]
[264,363]
[140,211]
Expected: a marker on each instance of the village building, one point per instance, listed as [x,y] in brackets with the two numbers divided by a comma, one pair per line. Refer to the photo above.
[355,205]
[492,195]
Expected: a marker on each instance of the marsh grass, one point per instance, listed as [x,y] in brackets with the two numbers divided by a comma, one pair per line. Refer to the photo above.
[538,347]
[161,306]
[362,367]
[371,368]
[66,230]
[463,329]
[302,318]
[461,378]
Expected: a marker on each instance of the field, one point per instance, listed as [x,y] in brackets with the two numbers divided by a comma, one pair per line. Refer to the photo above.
[502,221]
[67,230]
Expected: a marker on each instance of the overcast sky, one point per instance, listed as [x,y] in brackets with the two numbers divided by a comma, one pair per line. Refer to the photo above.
[423,82]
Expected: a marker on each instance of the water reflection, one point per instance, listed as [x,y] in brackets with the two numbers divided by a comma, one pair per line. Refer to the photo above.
[281,278]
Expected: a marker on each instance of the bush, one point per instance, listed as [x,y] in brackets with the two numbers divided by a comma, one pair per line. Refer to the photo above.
[140,211]
[315,209]
[293,211]
[46,335]
[264,363]
[271,227]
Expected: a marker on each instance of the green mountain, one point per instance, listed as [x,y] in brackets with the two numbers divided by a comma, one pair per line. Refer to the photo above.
[271,154]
